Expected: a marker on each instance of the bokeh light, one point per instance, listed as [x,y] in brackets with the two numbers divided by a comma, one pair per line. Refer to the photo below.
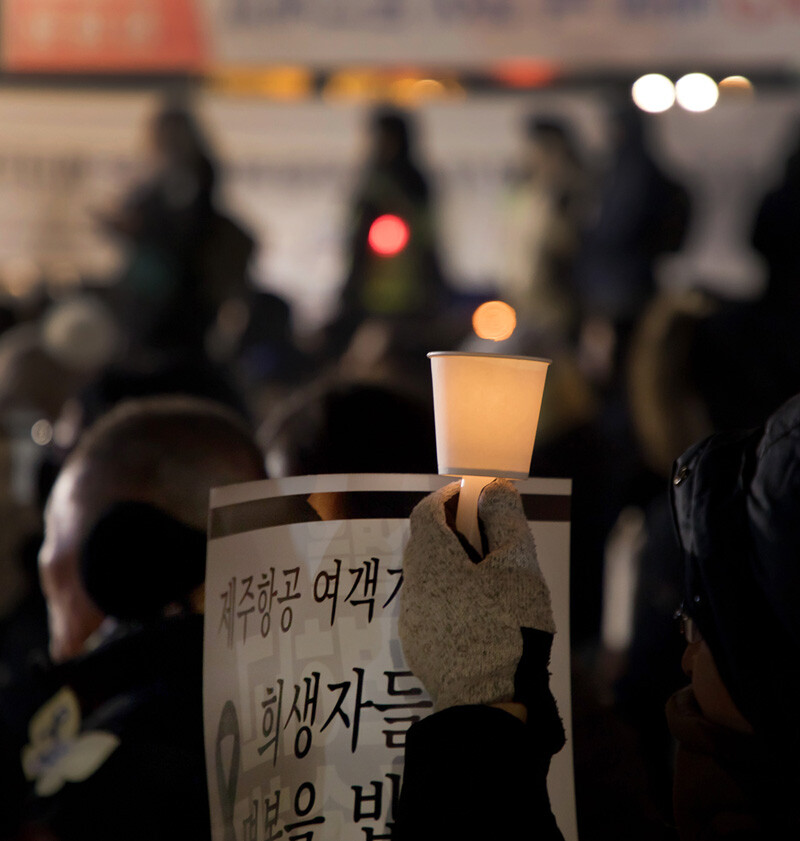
[653,93]
[525,73]
[696,92]
[20,277]
[494,320]
[427,89]
[388,235]
[42,432]
[739,87]
[286,83]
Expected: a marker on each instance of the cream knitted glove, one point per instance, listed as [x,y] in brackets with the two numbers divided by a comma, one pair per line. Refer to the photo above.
[460,622]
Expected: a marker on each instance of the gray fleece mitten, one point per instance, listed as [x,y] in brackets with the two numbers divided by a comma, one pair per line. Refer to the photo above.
[460,622]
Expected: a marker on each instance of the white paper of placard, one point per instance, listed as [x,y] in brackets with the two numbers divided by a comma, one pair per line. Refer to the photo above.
[307,697]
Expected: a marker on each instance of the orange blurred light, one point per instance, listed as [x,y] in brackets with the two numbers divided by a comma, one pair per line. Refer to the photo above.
[411,90]
[523,73]
[738,86]
[428,88]
[388,235]
[284,83]
[494,320]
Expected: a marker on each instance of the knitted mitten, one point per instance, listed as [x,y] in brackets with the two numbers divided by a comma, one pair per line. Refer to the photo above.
[460,622]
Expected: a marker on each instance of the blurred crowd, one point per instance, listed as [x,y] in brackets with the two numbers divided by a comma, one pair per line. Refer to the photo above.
[638,374]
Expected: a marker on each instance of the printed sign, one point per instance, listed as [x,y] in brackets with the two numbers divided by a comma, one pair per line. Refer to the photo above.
[86,36]
[307,697]
[136,35]
[472,33]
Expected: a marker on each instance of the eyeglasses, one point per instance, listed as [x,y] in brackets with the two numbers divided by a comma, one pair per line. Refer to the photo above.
[687,626]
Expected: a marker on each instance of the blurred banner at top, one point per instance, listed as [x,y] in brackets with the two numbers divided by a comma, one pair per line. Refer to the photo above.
[141,35]
[85,36]
[573,33]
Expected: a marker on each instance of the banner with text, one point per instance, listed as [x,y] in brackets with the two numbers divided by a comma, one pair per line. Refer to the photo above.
[573,33]
[195,35]
[307,697]
[84,36]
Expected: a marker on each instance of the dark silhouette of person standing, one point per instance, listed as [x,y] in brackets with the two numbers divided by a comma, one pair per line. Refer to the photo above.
[398,277]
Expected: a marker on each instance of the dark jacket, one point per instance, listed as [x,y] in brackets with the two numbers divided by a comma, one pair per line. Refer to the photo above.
[728,784]
[736,498]
[736,503]
[475,772]
[145,690]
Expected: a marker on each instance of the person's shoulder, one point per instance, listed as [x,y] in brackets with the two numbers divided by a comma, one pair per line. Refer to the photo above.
[117,726]
[169,650]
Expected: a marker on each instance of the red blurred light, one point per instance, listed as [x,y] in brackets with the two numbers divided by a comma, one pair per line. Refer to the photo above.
[522,73]
[388,235]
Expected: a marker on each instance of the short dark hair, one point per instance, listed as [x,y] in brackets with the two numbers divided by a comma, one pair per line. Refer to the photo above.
[168,451]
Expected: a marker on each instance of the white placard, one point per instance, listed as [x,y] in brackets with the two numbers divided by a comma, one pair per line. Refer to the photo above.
[307,696]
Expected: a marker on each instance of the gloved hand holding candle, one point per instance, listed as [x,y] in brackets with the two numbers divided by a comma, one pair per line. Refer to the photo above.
[464,626]
[478,635]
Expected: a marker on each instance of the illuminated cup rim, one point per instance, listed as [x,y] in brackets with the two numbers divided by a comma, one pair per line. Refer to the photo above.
[489,355]
[519,475]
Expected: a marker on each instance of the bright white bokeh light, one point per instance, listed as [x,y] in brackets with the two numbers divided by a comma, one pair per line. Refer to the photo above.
[696,92]
[653,93]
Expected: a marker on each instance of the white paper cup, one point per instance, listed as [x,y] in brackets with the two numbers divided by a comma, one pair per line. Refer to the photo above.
[486,408]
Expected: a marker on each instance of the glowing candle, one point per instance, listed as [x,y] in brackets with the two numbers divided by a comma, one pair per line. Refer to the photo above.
[486,408]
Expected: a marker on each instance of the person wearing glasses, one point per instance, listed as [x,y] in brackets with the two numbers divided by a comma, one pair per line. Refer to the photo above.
[736,504]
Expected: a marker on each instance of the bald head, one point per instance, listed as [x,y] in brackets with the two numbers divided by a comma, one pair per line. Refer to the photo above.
[165,451]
